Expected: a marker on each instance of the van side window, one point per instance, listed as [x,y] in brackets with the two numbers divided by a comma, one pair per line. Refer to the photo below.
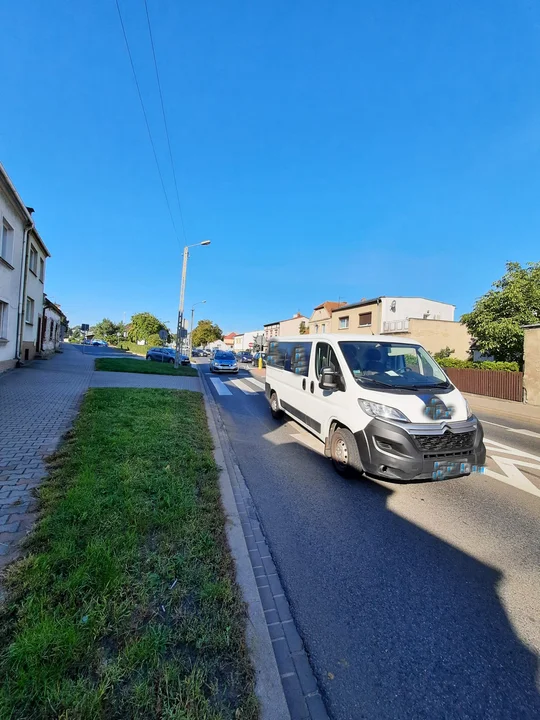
[299,358]
[325,357]
[293,357]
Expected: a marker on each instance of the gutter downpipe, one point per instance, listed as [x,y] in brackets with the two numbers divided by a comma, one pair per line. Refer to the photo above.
[22,292]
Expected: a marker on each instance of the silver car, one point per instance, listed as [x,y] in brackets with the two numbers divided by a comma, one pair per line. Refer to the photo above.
[224,361]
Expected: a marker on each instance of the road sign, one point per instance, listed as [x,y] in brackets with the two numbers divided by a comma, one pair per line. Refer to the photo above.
[163,335]
[250,344]
[85,327]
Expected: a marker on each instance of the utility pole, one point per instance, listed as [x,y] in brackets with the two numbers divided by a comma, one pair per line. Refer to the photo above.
[180,324]
[201,302]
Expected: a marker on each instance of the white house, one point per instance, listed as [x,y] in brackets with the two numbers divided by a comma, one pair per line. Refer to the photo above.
[54,326]
[247,341]
[22,275]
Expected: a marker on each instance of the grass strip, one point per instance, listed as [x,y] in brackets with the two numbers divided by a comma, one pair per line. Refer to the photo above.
[138,366]
[126,604]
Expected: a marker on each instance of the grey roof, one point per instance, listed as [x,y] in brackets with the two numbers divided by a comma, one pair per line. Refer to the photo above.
[380,297]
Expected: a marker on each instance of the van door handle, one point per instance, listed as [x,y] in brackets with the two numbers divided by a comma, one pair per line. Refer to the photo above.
[312,386]
[304,384]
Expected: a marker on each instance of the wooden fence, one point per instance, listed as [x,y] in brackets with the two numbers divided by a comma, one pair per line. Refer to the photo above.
[494,383]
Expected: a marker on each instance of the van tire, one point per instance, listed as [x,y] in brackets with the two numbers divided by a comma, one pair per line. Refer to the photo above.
[277,414]
[344,452]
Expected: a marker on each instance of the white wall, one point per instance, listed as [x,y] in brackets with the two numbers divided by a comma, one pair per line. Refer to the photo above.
[10,279]
[34,289]
[414,307]
[245,340]
[52,321]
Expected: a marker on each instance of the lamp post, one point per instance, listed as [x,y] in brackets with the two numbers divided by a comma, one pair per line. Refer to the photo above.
[180,325]
[201,302]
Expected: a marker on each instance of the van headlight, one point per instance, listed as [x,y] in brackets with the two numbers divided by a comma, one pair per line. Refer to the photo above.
[468,409]
[385,412]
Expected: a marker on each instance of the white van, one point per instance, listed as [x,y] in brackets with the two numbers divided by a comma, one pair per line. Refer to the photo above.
[380,404]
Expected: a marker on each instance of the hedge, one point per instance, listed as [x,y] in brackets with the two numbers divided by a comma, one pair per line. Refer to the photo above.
[486,365]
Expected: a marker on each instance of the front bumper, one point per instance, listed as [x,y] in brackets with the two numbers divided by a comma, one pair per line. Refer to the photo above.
[225,370]
[421,452]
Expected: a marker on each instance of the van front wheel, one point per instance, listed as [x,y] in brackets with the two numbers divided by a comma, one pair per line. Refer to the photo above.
[274,407]
[344,452]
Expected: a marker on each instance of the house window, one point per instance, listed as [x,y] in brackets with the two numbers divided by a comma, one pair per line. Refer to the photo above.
[344,322]
[364,319]
[3,320]
[41,269]
[316,328]
[6,241]
[29,316]
[51,328]
[33,259]
[323,327]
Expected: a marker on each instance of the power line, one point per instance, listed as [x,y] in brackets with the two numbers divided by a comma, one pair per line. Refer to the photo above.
[165,121]
[146,121]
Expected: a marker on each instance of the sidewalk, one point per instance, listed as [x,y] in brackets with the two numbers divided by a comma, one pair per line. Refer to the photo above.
[513,409]
[37,405]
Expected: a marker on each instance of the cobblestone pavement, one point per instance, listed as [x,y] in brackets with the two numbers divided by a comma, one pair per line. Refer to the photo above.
[37,405]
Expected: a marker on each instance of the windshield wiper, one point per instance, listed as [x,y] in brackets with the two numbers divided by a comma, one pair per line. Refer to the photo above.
[377,382]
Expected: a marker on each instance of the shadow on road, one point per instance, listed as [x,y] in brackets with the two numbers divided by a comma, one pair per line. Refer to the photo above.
[408,625]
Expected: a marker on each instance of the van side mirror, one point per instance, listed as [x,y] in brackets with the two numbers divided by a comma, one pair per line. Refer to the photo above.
[329,379]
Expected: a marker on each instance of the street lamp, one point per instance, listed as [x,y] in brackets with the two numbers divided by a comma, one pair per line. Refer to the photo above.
[179,329]
[201,302]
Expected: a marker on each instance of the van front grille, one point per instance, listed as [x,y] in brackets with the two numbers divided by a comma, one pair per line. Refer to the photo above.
[444,443]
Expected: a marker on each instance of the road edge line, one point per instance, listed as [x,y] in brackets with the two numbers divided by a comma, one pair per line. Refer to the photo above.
[268,685]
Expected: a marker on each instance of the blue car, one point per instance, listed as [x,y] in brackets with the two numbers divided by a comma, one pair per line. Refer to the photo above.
[165,354]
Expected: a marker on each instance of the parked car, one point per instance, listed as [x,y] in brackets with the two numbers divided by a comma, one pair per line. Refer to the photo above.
[244,357]
[197,353]
[382,406]
[165,354]
[255,360]
[100,343]
[205,353]
[224,361]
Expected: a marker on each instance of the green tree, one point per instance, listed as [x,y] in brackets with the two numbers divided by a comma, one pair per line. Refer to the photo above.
[143,326]
[75,334]
[105,330]
[206,332]
[497,317]
[303,329]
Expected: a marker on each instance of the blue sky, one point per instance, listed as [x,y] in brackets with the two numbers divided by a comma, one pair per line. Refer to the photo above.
[328,149]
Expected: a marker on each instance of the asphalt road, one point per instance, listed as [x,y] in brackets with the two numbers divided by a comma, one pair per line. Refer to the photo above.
[413,601]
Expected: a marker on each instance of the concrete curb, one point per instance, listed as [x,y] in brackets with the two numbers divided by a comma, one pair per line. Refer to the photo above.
[268,687]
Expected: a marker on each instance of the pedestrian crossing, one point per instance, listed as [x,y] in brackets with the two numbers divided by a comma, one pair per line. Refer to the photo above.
[247,385]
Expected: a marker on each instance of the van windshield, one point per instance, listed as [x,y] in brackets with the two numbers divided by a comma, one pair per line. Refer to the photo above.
[392,364]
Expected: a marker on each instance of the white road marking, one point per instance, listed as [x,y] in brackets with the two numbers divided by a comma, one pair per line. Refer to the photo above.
[244,387]
[519,431]
[512,474]
[220,386]
[258,383]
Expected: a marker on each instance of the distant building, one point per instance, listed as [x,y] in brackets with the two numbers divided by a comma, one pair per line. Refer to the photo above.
[291,326]
[431,322]
[55,327]
[321,318]
[229,339]
[247,341]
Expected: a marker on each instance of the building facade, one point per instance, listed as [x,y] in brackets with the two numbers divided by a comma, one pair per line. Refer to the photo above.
[247,341]
[33,294]
[54,328]
[387,314]
[321,318]
[291,326]
[23,256]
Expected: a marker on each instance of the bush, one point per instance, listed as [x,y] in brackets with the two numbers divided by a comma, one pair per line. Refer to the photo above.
[486,365]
